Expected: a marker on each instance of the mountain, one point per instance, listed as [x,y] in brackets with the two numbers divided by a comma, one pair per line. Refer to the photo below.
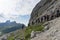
[44,23]
[10,26]
[44,11]
[47,13]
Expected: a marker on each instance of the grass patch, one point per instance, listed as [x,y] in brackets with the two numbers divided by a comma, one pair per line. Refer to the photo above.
[32,28]
[11,37]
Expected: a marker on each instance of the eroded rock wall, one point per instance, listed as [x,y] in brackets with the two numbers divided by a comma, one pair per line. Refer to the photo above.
[52,34]
[45,10]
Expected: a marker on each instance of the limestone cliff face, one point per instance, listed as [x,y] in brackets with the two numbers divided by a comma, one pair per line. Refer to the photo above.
[52,34]
[45,10]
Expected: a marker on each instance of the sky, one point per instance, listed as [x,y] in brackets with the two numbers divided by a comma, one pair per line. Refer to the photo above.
[16,10]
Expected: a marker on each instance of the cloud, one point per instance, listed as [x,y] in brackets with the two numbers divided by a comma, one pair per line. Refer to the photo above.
[25,7]
[16,10]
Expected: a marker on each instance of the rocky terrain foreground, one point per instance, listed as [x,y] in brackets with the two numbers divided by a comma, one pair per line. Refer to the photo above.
[52,34]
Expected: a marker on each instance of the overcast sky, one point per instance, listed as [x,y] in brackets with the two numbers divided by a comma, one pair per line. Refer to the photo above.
[16,10]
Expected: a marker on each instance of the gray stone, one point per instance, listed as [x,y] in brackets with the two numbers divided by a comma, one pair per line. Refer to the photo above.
[45,10]
[50,10]
[33,34]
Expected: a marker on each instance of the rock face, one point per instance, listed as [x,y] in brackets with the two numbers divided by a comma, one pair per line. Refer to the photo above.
[45,10]
[52,34]
[33,34]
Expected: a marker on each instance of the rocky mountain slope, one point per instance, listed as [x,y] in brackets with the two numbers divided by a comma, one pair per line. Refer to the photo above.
[48,13]
[44,23]
[45,10]
[52,34]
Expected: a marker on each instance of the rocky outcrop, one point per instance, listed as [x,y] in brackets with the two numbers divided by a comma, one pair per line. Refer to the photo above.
[45,10]
[52,34]
[33,34]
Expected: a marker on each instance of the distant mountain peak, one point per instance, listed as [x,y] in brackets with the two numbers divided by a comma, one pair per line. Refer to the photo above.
[8,21]
[9,26]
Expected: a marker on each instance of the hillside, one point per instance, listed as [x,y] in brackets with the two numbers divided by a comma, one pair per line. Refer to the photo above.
[48,13]
[52,34]
[8,26]
[44,23]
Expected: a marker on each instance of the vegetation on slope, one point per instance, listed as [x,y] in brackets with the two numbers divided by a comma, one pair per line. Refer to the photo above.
[27,32]
[32,28]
